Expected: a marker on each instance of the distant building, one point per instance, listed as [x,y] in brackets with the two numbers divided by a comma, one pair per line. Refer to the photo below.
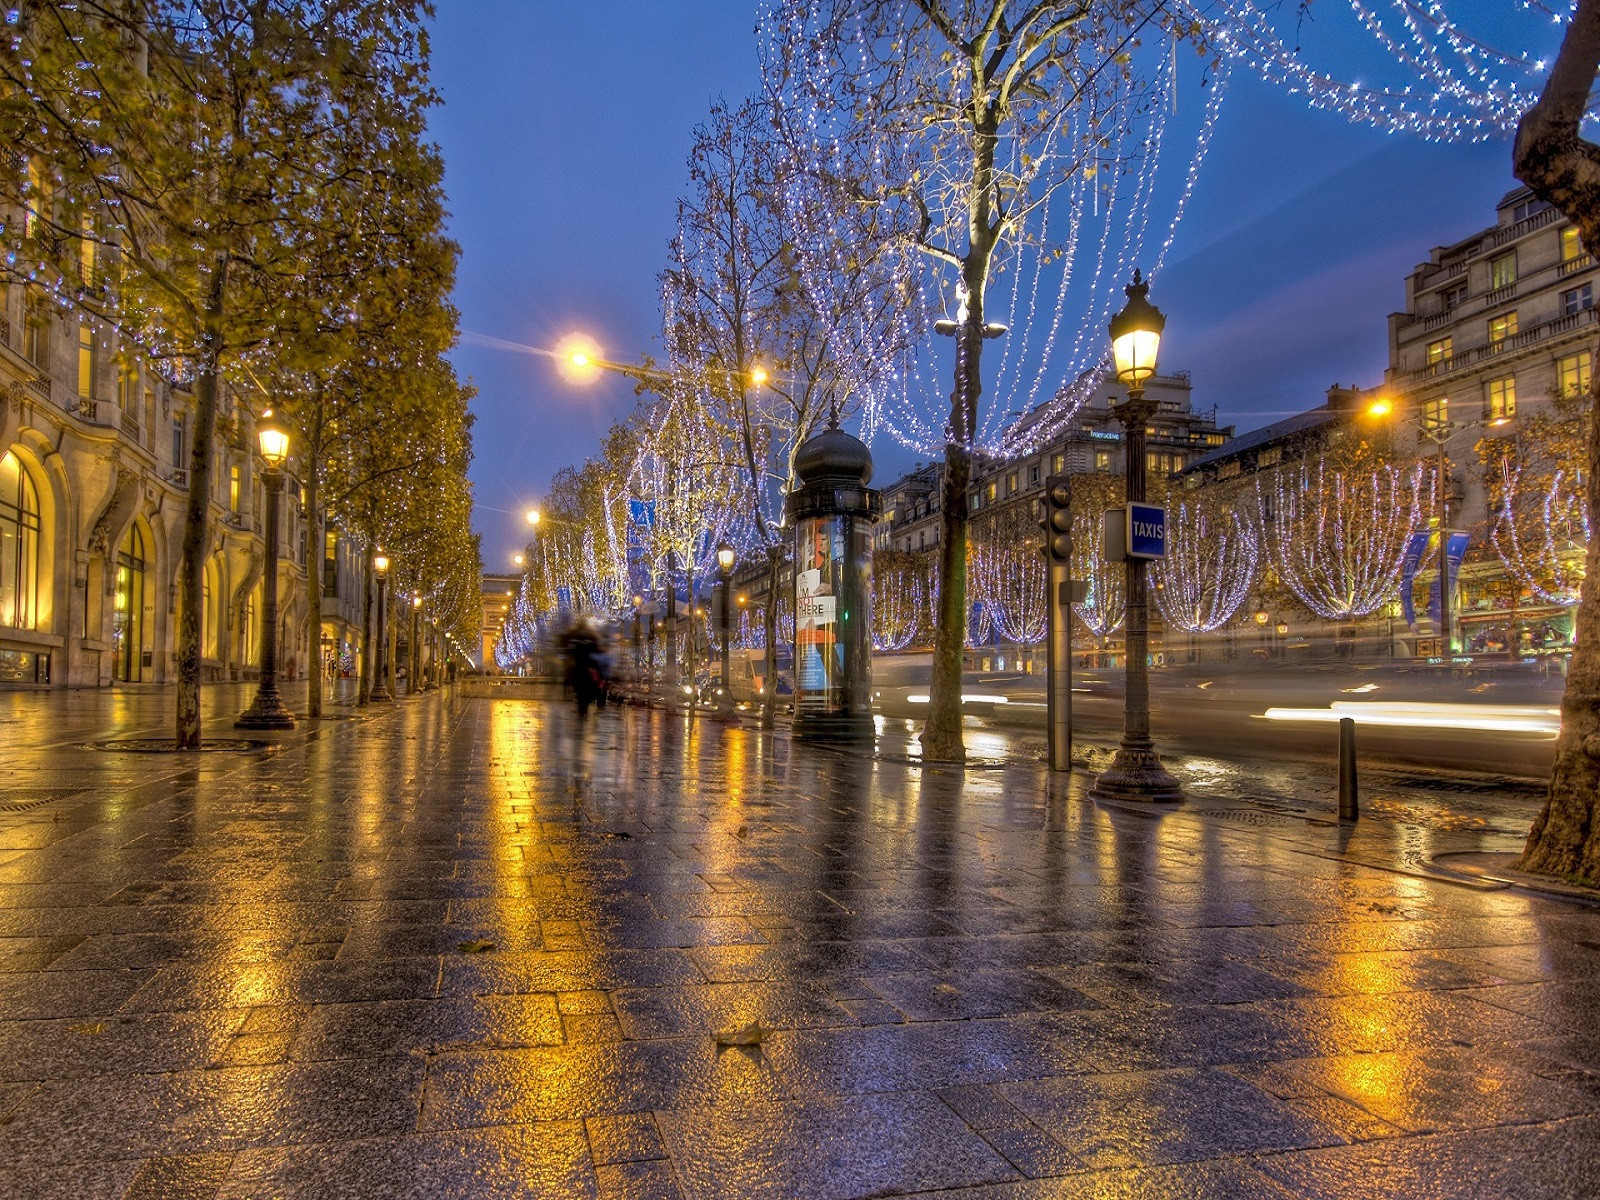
[1496,326]
[1177,435]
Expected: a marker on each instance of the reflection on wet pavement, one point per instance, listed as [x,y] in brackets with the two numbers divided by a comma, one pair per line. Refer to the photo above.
[473,948]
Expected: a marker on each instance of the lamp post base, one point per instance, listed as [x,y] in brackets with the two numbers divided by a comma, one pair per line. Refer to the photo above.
[266,711]
[1136,774]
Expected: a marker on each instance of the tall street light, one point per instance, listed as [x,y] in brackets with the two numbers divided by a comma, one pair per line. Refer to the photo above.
[267,710]
[1136,773]
[380,686]
[725,557]
[1438,429]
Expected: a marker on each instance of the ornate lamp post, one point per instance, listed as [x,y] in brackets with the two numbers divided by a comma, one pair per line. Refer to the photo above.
[725,557]
[267,710]
[1136,773]
[380,685]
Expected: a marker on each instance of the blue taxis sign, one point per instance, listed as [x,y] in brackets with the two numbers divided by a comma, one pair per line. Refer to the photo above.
[1147,531]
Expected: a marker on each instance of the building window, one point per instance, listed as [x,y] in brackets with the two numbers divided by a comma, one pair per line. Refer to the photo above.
[1577,299]
[1526,209]
[1571,244]
[1011,483]
[86,358]
[1439,352]
[1269,457]
[180,440]
[1228,469]
[975,502]
[1058,464]
[1033,473]
[1503,271]
[1502,327]
[1575,372]
[36,334]
[990,490]
[128,388]
[19,546]
[1102,460]
[1502,398]
[1436,411]
[233,488]
[1453,298]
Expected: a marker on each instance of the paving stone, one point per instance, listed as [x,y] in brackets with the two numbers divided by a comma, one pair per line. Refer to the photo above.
[1141,1119]
[245,976]
[867,1145]
[530,1162]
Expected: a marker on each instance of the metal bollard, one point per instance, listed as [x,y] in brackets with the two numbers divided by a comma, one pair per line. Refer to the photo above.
[1349,804]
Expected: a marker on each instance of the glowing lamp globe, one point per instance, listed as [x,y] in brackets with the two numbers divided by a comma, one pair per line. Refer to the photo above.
[1136,335]
[380,563]
[274,441]
[725,556]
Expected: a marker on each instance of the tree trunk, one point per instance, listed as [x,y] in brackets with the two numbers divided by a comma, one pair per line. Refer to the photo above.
[1553,159]
[196,523]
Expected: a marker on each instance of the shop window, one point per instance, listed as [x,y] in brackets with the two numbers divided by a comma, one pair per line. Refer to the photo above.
[20,540]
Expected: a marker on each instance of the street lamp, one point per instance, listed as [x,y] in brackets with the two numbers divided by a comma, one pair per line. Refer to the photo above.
[725,557]
[1438,429]
[380,686]
[1136,772]
[267,710]
[533,516]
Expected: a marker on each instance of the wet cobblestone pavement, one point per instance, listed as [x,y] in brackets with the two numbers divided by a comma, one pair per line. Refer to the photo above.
[464,948]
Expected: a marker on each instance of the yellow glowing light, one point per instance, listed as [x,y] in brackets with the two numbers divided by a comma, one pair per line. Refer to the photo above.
[533,515]
[758,375]
[578,357]
[1380,408]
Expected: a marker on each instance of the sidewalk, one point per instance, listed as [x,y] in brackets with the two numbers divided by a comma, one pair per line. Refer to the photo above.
[457,947]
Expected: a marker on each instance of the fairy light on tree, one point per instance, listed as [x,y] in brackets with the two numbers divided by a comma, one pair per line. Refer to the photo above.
[1338,526]
[1009,572]
[1538,502]
[982,146]
[1212,560]
[900,592]
[1105,604]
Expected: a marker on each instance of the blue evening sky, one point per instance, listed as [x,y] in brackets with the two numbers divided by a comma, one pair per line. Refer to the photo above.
[566,125]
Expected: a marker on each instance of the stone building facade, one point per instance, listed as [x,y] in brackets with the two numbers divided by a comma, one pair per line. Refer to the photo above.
[94,452]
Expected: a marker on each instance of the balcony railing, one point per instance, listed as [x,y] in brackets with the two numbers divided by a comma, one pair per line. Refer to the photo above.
[41,384]
[1520,341]
[179,476]
[1546,216]
[1573,265]
[1500,295]
[130,425]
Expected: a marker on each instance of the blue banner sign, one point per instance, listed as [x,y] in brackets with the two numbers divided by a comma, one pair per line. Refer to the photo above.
[1415,545]
[1147,531]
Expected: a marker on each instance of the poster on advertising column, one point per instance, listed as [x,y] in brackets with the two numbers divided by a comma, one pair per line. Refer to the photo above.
[815,612]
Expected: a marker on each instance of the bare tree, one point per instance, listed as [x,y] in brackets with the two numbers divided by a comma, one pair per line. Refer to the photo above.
[959,119]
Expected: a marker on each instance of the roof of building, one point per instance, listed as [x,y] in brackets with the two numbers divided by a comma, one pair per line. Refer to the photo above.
[1276,432]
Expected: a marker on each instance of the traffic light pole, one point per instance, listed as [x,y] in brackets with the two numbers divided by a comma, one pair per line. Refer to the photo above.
[1058,677]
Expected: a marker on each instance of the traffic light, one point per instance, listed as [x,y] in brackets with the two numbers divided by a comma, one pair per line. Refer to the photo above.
[1058,519]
